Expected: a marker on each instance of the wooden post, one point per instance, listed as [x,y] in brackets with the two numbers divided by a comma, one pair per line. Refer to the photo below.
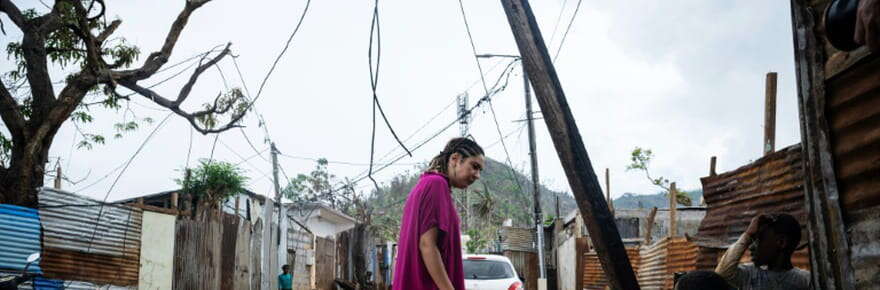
[140,201]
[673,193]
[650,225]
[174,199]
[608,191]
[770,113]
[712,166]
[58,177]
[569,145]
[237,201]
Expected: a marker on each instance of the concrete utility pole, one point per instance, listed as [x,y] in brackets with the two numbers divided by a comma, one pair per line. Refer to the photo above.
[270,259]
[770,113]
[464,129]
[570,146]
[281,214]
[536,192]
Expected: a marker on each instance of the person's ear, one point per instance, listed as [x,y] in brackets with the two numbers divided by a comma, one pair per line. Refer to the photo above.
[455,158]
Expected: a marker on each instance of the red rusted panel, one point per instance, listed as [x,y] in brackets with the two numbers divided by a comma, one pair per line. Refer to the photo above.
[681,257]
[853,113]
[594,276]
[772,184]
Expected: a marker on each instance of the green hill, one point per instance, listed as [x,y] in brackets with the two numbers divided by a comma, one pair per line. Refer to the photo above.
[659,200]
[501,193]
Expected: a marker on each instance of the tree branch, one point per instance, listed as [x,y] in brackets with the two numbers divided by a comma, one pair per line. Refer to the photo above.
[10,113]
[157,59]
[184,92]
[33,45]
[6,6]
[108,31]
[191,117]
[93,46]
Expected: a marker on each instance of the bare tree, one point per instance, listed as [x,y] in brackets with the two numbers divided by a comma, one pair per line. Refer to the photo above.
[74,34]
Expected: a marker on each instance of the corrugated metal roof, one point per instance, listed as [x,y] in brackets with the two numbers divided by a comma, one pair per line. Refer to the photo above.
[772,184]
[652,272]
[19,237]
[517,239]
[853,113]
[71,253]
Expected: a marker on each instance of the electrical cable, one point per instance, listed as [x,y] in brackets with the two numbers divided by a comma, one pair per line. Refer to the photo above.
[565,35]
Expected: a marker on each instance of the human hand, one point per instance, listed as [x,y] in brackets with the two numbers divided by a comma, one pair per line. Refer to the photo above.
[758,223]
[868,24]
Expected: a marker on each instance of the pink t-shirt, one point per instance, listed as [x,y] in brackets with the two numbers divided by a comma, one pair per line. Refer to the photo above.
[429,205]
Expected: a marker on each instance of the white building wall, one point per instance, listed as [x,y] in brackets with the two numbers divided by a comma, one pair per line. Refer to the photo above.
[157,251]
[567,265]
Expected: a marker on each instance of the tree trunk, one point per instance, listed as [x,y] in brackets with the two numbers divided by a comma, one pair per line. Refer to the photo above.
[20,183]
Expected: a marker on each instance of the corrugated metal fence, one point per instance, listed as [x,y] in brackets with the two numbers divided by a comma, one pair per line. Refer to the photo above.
[594,275]
[652,273]
[526,265]
[772,184]
[84,242]
[853,108]
[19,237]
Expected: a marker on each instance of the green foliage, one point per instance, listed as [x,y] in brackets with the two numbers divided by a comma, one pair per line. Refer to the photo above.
[310,187]
[318,186]
[232,100]
[479,241]
[640,160]
[214,180]
[68,51]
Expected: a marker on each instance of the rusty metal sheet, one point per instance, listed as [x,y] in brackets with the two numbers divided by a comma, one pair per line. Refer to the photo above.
[80,246]
[594,276]
[652,272]
[526,264]
[517,239]
[681,256]
[853,112]
[771,184]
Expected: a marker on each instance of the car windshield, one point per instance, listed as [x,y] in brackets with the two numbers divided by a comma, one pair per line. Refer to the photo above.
[487,270]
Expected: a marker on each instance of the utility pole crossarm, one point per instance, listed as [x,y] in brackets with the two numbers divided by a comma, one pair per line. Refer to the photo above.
[569,146]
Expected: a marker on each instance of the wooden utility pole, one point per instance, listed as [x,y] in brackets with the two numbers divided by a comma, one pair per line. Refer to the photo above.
[608,191]
[673,204]
[569,145]
[712,162]
[650,225]
[58,177]
[770,113]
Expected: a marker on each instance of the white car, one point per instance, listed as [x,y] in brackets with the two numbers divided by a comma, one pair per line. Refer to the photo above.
[490,272]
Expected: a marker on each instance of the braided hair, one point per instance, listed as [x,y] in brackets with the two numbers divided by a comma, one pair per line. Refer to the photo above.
[461,145]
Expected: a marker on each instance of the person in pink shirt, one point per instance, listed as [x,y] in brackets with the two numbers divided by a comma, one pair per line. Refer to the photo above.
[429,247]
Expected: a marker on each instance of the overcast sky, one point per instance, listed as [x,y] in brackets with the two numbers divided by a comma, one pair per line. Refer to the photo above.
[683,78]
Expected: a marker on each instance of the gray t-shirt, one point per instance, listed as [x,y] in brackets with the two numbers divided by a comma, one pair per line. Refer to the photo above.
[749,277]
